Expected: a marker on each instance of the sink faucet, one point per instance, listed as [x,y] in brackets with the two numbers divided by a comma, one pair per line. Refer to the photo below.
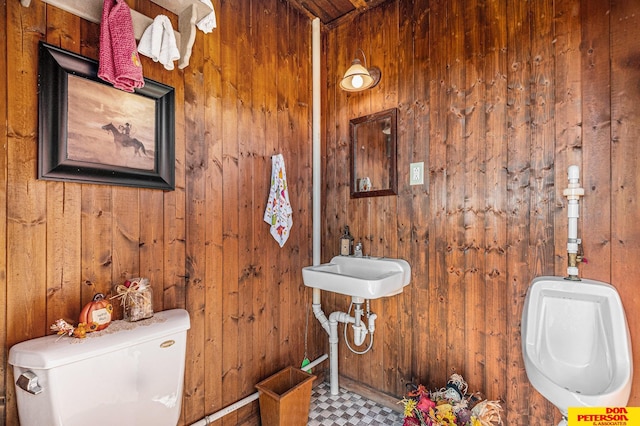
[357,252]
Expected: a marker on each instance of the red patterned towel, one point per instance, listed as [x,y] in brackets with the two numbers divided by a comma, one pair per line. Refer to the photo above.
[119,61]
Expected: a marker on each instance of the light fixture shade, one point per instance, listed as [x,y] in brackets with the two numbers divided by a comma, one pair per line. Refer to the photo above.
[356,78]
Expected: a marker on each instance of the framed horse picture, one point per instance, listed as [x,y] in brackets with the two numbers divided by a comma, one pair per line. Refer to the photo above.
[91,132]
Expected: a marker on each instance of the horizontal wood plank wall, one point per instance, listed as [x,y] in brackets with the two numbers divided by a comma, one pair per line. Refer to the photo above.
[498,98]
[245,96]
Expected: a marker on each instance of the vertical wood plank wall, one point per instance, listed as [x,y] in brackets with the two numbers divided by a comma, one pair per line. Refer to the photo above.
[245,96]
[498,98]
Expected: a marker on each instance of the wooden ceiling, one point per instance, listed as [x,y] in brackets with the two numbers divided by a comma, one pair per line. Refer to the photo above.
[329,11]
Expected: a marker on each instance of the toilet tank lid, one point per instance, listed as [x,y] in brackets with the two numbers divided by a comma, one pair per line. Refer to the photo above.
[53,351]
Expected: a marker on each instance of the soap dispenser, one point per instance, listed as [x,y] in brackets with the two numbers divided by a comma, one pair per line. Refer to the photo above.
[346,242]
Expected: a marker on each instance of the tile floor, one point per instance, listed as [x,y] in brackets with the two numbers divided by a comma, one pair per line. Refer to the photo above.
[348,408]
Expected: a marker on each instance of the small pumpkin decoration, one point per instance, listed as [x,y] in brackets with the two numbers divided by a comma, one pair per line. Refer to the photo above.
[97,312]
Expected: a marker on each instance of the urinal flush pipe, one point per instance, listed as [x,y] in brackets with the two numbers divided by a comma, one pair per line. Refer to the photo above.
[573,193]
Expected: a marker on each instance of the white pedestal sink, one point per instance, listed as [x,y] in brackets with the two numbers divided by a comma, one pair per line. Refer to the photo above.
[363,277]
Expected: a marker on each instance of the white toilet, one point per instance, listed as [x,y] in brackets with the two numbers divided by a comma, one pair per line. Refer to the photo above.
[575,343]
[131,373]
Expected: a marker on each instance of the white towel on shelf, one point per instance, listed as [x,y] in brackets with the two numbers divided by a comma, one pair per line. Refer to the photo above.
[159,42]
[278,212]
[208,23]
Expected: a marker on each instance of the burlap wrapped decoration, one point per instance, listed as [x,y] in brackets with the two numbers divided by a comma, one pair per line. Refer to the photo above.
[136,298]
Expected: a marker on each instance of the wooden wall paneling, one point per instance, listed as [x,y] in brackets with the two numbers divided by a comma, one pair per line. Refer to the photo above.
[625,155]
[475,188]
[262,171]
[396,375]
[152,239]
[152,227]
[296,150]
[300,180]
[354,209]
[162,247]
[230,184]
[174,269]
[286,69]
[594,225]
[303,144]
[174,212]
[119,263]
[386,226]
[96,211]
[532,97]
[358,104]
[379,218]
[333,194]
[420,240]
[165,239]
[568,118]
[542,139]
[330,109]
[420,149]
[126,237]
[4,132]
[455,153]
[495,273]
[542,148]
[247,226]
[319,342]
[271,36]
[97,246]
[214,337]
[63,207]
[26,197]
[358,209]
[152,243]
[436,353]
[120,230]
[518,204]
[370,211]
[536,109]
[196,298]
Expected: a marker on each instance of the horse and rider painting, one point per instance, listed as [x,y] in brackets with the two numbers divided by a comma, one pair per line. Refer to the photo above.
[108,126]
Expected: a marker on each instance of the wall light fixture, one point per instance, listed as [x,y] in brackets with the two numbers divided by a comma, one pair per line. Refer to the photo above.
[358,77]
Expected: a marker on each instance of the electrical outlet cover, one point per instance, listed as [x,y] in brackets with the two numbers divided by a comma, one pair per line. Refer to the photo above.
[416,173]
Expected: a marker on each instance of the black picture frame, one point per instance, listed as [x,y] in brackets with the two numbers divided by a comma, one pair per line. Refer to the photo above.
[75,142]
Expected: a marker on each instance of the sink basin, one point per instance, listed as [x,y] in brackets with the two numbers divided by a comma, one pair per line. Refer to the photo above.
[365,277]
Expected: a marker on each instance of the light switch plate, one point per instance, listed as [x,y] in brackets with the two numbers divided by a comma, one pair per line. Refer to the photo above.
[416,173]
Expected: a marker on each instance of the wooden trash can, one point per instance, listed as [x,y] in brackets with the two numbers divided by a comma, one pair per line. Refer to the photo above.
[285,398]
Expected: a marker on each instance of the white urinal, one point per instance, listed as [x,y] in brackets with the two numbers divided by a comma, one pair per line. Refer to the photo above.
[575,343]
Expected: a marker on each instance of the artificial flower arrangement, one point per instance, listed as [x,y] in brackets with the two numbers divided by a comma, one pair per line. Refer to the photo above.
[449,406]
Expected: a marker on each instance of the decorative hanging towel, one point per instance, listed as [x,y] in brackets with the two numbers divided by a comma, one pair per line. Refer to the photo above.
[159,42]
[278,211]
[119,61]
[208,23]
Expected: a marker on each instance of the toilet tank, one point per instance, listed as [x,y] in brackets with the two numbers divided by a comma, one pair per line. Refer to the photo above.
[131,373]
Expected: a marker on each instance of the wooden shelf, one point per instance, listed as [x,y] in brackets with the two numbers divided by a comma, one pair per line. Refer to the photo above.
[189,12]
